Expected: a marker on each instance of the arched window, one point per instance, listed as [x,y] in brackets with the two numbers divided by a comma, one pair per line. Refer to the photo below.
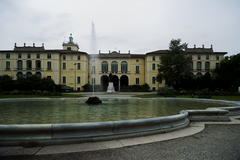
[29,65]
[104,67]
[39,75]
[19,75]
[124,67]
[19,65]
[114,66]
[29,74]
[199,75]
[191,65]
[207,66]
[199,66]
[38,65]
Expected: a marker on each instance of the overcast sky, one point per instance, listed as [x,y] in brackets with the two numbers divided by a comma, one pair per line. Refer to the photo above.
[140,26]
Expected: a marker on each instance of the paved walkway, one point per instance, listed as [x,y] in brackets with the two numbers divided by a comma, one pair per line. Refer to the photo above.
[201,140]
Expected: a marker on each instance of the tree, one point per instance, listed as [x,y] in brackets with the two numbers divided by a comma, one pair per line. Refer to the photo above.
[227,75]
[174,66]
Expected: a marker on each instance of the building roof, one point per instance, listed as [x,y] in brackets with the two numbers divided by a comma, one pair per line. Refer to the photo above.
[158,52]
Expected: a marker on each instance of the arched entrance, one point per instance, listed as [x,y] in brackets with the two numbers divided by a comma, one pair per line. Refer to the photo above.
[115,82]
[104,82]
[123,82]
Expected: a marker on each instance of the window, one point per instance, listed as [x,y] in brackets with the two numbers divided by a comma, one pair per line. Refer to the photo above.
[19,75]
[199,66]
[78,80]
[153,66]
[153,80]
[29,75]
[124,67]
[137,60]
[49,56]
[79,57]
[137,69]
[217,65]
[64,57]
[207,57]
[19,55]
[93,69]
[38,65]
[68,48]
[19,65]
[49,65]
[7,56]
[199,75]
[78,65]
[64,65]
[7,65]
[93,80]
[71,57]
[114,67]
[64,80]
[159,58]
[104,66]
[217,57]
[28,55]
[38,55]
[38,75]
[137,80]
[199,57]
[190,56]
[153,58]
[154,89]
[93,60]
[207,64]
[49,77]
[29,65]
[191,65]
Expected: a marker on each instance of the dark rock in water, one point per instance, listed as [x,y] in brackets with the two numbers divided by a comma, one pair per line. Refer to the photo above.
[93,100]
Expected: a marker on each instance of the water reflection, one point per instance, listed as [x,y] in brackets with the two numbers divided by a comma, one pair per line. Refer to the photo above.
[76,111]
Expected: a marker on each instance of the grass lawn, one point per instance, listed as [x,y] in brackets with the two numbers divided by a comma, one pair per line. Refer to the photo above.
[231,98]
[38,96]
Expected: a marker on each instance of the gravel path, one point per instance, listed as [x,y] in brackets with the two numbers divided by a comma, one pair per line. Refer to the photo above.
[214,142]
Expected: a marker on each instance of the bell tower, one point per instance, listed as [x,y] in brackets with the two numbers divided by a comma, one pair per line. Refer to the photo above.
[70,45]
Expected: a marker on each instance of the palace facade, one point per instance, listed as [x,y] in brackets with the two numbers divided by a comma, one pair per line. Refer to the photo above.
[74,68]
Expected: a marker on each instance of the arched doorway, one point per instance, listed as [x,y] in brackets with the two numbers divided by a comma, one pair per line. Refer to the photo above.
[123,82]
[115,82]
[39,75]
[29,74]
[104,82]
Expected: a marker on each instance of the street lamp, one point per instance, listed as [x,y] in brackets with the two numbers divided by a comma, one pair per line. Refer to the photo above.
[75,76]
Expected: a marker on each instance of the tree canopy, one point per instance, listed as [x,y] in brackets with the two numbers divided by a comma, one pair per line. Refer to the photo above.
[174,65]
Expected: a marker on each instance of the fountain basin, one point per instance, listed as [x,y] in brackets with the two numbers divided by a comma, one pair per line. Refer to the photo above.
[69,133]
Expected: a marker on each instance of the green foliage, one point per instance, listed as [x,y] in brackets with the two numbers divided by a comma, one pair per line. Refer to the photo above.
[174,65]
[145,87]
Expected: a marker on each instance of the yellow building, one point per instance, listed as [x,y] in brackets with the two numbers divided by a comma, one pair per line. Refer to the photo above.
[74,68]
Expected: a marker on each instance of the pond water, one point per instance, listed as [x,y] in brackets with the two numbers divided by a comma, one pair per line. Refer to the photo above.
[76,111]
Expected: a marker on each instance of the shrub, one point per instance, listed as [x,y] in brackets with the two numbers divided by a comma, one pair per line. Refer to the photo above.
[145,87]
[45,93]
[15,92]
[39,92]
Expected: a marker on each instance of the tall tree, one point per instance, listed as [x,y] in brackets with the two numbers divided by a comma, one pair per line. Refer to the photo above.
[174,66]
[228,74]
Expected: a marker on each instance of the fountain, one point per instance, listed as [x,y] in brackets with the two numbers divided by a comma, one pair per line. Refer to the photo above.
[94,99]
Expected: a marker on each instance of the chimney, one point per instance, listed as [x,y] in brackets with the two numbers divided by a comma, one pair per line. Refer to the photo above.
[203,46]
[109,51]
[119,51]
[99,51]
[24,44]
[194,45]
[33,44]
[43,44]
[211,46]
[129,52]
[15,45]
